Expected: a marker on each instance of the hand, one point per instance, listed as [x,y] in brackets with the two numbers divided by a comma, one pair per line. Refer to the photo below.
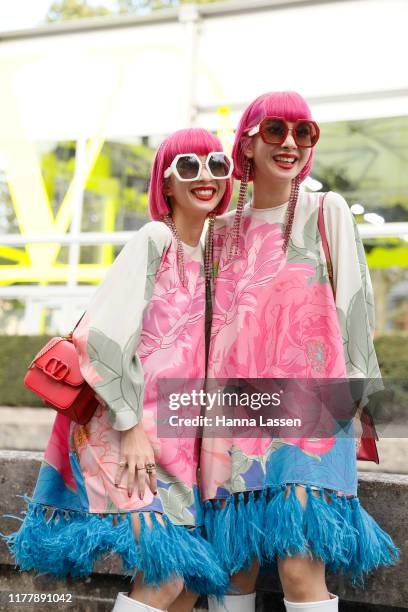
[136,452]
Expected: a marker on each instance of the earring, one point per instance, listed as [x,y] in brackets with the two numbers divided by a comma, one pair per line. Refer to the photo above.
[290,212]
[240,207]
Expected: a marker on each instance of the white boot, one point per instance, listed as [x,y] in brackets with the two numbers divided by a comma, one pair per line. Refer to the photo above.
[124,603]
[326,605]
[233,603]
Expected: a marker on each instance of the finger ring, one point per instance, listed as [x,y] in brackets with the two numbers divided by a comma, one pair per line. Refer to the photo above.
[141,468]
[122,463]
[150,465]
[149,471]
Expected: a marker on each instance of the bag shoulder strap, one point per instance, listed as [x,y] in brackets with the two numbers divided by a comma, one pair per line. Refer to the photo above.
[325,244]
[76,325]
[54,341]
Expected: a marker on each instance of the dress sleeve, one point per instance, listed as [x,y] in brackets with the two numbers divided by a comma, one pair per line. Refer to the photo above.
[354,292]
[108,334]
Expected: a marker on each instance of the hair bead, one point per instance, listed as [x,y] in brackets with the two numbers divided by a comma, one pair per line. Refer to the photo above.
[290,212]
[208,258]
[168,220]
[235,232]
[209,250]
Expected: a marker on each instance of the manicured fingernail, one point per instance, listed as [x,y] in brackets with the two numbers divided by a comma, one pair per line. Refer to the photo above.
[129,493]
[140,496]
[155,493]
[116,484]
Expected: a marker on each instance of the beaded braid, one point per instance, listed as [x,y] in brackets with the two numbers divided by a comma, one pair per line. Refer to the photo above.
[209,250]
[208,261]
[290,212]
[209,277]
[240,207]
[168,220]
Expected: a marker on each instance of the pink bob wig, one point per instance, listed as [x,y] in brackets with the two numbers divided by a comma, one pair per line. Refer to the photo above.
[192,140]
[287,104]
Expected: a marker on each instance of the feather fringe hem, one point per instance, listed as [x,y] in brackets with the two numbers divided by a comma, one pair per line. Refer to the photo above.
[272,524]
[70,542]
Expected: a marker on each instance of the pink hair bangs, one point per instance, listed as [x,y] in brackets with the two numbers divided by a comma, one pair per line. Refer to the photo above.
[287,104]
[192,140]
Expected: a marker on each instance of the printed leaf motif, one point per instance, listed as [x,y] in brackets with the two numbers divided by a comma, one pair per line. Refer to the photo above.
[153,264]
[96,348]
[320,276]
[361,353]
[176,501]
[358,343]
[235,483]
[368,294]
[307,252]
[275,445]
[298,254]
[122,381]
[367,289]
[310,232]
[164,476]
[343,328]
[359,244]
[240,462]
[132,386]
[110,506]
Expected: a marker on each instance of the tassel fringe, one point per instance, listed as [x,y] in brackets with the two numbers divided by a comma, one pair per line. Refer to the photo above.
[235,531]
[70,542]
[274,524]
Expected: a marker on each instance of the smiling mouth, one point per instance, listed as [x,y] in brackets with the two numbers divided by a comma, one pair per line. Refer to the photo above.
[204,193]
[287,160]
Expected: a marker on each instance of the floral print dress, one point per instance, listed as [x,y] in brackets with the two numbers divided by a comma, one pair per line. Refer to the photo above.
[142,324]
[275,316]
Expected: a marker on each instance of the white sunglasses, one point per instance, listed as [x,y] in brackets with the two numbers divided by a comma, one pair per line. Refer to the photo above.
[188,166]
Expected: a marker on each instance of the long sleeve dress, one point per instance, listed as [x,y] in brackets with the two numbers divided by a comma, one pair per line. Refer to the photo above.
[275,315]
[142,324]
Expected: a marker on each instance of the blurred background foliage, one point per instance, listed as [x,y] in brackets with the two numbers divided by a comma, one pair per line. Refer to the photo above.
[77,9]
[365,161]
[391,352]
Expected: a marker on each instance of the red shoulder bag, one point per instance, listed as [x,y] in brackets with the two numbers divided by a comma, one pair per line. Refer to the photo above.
[54,375]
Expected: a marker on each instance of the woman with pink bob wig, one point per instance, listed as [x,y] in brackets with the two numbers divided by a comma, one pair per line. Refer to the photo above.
[116,484]
[281,311]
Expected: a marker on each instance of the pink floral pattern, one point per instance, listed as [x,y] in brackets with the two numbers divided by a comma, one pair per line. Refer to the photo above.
[272,317]
[170,345]
[264,296]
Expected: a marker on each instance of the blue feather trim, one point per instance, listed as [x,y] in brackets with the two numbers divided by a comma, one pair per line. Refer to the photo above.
[235,531]
[274,524]
[70,542]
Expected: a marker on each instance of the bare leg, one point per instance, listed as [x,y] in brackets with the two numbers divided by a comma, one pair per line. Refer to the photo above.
[161,597]
[168,592]
[184,602]
[303,579]
[244,581]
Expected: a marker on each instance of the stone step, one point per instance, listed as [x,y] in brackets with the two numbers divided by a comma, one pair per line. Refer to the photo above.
[384,496]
